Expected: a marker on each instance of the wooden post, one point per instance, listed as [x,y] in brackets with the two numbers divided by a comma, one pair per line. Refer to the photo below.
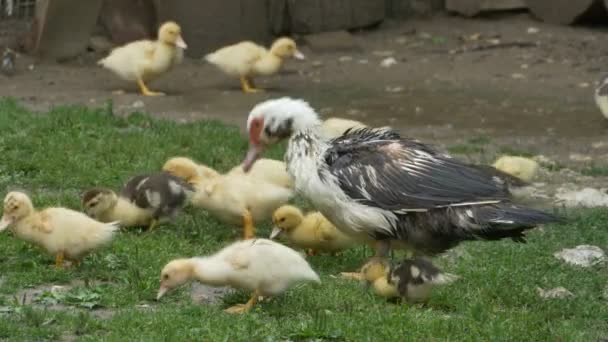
[64,27]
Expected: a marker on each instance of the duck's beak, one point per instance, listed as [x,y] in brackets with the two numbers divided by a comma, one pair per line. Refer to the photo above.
[255,150]
[5,222]
[180,43]
[161,291]
[276,231]
[299,55]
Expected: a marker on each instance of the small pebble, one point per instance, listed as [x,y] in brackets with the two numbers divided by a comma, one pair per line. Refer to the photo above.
[558,292]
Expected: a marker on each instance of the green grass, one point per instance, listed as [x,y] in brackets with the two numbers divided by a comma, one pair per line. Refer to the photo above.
[55,156]
[596,171]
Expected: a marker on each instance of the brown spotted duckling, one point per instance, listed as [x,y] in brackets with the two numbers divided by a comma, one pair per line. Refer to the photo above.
[411,280]
[145,200]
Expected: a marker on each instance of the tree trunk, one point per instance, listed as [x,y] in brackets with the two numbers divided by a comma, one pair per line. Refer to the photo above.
[566,11]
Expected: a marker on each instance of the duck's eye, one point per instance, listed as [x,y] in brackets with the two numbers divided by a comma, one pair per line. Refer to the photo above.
[166,277]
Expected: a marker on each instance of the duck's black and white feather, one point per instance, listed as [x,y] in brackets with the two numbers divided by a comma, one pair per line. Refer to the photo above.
[375,183]
[435,200]
[162,192]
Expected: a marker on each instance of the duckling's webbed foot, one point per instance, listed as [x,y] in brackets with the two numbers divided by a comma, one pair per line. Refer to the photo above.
[147,92]
[247,85]
[59,257]
[248,227]
[243,308]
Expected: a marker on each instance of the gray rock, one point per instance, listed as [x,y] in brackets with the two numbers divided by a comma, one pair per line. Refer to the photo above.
[204,294]
[583,255]
[100,44]
[558,292]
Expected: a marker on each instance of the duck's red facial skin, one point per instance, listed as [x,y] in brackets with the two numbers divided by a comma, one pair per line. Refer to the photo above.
[255,130]
[255,144]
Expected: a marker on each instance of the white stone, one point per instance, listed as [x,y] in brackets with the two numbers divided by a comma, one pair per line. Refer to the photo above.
[583,255]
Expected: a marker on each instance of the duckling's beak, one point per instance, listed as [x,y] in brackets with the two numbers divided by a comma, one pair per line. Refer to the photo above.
[5,222]
[276,231]
[299,55]
[161,292]
[180,43]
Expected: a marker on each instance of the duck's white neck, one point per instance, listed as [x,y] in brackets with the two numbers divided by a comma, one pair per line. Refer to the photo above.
[210,271]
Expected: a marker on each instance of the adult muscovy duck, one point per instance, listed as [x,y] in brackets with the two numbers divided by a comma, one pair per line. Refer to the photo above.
[375,184]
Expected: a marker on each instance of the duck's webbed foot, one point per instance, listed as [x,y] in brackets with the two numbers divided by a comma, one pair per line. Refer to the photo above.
[244,308]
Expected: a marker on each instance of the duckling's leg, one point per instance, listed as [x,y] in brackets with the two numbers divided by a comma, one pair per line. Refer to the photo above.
[248,228]
[152,225]
[247,86]
[59,259]
[145,91]
[311,252]
[243,308]
[76,263]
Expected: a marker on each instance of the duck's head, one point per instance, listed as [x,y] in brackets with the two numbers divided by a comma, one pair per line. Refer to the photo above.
[374,269]
[175,274]
[274,120]
[17,205]
[170,33]
[96,201]
[285,218]
[286,48]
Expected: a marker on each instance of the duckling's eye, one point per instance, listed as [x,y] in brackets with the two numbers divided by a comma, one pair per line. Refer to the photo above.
[166,277]
[282,220]
[92,205]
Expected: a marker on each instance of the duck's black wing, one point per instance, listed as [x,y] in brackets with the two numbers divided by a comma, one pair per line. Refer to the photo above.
[379,168]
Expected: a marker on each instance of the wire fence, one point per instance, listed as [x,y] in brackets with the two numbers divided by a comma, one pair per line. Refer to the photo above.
[17,9]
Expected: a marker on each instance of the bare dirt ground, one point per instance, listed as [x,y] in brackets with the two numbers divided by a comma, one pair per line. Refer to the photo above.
[536,98]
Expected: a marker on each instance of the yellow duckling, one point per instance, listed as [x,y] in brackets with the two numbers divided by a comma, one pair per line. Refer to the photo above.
[247,59]
[268,170]
[412,279]
[335,127]
[233,198]
[106,206]
[64,233]
[520,167]
[313,231]
[144,60]
[262,266]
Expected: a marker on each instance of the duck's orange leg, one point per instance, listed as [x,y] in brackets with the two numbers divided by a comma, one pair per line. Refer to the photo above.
[145,91]
[248,227]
